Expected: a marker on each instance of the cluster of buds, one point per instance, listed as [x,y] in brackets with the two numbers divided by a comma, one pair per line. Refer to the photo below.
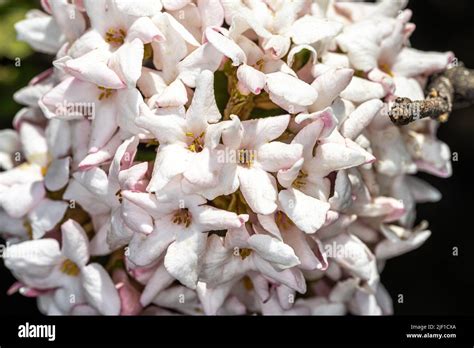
[216,157]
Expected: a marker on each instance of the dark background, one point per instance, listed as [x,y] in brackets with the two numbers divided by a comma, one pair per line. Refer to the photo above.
[431,279]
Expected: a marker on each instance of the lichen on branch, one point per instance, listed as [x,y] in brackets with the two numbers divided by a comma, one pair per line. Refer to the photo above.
[452,89]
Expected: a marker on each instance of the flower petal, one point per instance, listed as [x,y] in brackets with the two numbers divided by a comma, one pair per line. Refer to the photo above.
[119,234]
[145,30]
[159,281]
[250,79]
[289,92]
[41,32]
[213,299]
[329,85]
[203,108]
[173,5]
[360,90]
[145,249]
[75,192]
[182,259]
[212,13]
[127,62]
[92,67]
[34,258]
[171,161]
[58,174]
[104,125]
[144,8]
[388,248]
[276,155]
[100,290]
[291,277]
[334,156]
[411,62]
[360,118]
[259,189]
[300,244]
[75,244]
[136,218]
[45,216]
[205,57]
[310,30]
[308,213]
[263,130]
[172,96]
[165,128]
[225,45]
[274,251]
[19,199]
[212,219]
[34,145]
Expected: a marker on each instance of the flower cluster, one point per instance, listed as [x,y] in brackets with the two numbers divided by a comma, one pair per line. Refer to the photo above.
[216,157]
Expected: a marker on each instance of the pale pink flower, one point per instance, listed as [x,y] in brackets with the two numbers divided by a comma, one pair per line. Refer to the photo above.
[181,223]
[40,264]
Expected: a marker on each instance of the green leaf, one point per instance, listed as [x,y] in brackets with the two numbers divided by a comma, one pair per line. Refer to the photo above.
[300,59]
[220,90]
[262,113]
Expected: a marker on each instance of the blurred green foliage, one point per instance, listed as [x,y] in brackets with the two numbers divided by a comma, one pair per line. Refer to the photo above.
[12,77]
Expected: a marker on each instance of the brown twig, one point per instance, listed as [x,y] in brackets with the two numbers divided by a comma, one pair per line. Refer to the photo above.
[238,104]
[452,89]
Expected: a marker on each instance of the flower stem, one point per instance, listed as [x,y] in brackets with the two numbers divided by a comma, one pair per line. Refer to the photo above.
[454,88]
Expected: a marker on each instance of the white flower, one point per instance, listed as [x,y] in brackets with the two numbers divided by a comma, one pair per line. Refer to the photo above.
[24,188]
[279,23]
[155,132]
[41,264]
[229,259]
[181,223]
[64,23]
[187,142]
[256,155]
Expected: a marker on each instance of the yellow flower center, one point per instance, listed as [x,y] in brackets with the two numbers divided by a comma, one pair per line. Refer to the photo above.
[244,253]
[386,69]
[245,157]
[248,285]
[118,194]
[197,143]
[300,180]
[29,229]
[105,93]
[115,36]
[44,170]
[70,268]
[182,217]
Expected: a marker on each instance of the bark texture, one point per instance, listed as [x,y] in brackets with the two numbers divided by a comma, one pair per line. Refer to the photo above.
[452,89]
